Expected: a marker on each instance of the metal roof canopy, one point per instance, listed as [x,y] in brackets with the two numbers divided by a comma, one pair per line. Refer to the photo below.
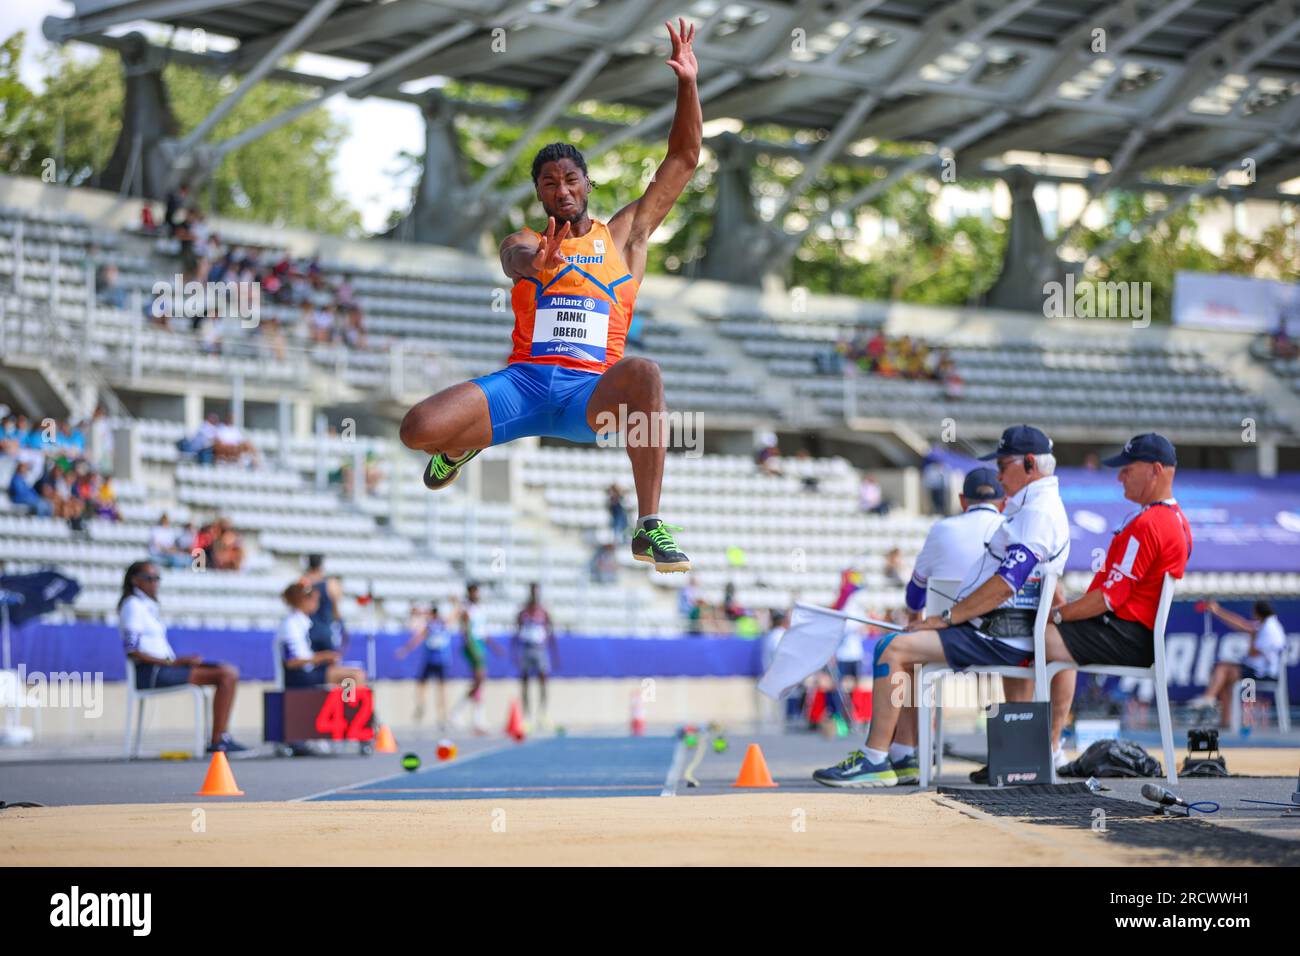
[1137,83]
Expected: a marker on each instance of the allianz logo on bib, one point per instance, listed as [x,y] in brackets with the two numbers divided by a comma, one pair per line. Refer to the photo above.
[570,302]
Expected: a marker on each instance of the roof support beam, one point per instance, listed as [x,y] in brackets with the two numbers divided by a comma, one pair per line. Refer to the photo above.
[286,44]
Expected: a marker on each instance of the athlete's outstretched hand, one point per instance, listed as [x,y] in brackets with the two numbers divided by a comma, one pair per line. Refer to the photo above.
[548,248]
[683,58]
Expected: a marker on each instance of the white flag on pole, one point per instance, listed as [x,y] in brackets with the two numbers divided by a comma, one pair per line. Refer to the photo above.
[811,640]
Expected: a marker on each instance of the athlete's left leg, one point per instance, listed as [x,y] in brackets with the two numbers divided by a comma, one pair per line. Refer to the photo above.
[632,393]
[635,384]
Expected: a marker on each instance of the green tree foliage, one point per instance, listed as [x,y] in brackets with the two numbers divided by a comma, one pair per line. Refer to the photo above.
[283,178]
[1172,247]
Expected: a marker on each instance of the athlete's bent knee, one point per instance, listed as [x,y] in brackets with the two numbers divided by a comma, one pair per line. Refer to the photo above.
[414,432]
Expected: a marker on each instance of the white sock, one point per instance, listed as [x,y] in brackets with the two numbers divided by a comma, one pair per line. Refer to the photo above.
[877,756]
[900,751]
[641,521]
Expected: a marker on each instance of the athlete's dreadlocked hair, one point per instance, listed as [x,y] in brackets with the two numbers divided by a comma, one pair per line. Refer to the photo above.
[553,151]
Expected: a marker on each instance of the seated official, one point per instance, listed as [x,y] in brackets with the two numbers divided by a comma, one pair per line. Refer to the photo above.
[952,546]
[993,619]
[156,665]
[1114,621]
[304,667]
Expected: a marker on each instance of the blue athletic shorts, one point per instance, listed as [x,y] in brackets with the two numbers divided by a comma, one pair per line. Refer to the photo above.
[526,399]
[963,647]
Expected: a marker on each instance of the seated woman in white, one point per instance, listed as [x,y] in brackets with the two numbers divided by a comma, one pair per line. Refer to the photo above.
[304,667]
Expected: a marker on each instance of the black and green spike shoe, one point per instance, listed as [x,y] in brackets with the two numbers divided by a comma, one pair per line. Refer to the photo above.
[655,545]
[442,471]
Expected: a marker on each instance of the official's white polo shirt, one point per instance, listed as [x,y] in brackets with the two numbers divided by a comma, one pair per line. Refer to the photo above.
[954,544]
[1033,519]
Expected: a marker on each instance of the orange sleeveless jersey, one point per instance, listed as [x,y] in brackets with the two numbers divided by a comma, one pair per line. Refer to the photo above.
[577,314]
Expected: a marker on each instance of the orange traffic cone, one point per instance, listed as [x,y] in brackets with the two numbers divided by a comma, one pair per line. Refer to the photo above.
[219,782]
[385,743]
[753,772]
[515,722]
[638,714]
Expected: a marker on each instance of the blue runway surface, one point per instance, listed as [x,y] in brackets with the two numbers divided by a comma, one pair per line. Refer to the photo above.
[555,767]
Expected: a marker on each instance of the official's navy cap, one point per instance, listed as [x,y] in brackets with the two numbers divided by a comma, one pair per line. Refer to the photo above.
[1148,447]
[982,485]
[1020,440]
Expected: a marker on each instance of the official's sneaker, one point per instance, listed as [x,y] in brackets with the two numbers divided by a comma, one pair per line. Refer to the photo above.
[442,471]
[226,744]
[655,544]
[856,770]
[981,775]
[907,770]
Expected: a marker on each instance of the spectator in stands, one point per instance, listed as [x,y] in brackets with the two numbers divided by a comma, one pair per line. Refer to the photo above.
[326,623]
[604,564]
[144,637]
[617,512]
[227,548]
[108,289]
[427,628]
[692,606]
[177,202]
[768,455]
[732,609]
[1264,659]
[373,472]
[894,571]
[1091,461]
[354,327]
[1113,622]
[953,384]
[809,481]
[56,489]
[934,477]
[231,445]
[162,545]
[305,666]
[871,499]
[202,444]
[101,441]
[24,495]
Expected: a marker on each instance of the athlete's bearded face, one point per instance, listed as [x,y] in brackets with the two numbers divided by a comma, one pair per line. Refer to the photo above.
[563,188]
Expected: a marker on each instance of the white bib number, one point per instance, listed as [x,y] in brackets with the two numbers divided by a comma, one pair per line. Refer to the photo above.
[572,325]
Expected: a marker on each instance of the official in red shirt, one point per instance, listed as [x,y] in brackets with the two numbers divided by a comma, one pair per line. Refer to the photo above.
[1113,622]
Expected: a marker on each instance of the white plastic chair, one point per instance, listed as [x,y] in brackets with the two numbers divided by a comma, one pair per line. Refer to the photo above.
[137,697]
[1155,673]
[1281,699]
[930,742]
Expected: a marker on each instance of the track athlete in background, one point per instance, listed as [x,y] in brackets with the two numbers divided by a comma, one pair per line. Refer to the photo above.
[573,297]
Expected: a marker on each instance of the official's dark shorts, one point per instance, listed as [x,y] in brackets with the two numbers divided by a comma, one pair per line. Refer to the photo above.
[963,647]
[1107,639]
[302,677]
[849,668]
[152,676]
[1249,673]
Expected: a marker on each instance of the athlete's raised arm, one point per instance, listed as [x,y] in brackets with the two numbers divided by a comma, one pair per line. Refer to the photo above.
[524,255]
[632,226]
